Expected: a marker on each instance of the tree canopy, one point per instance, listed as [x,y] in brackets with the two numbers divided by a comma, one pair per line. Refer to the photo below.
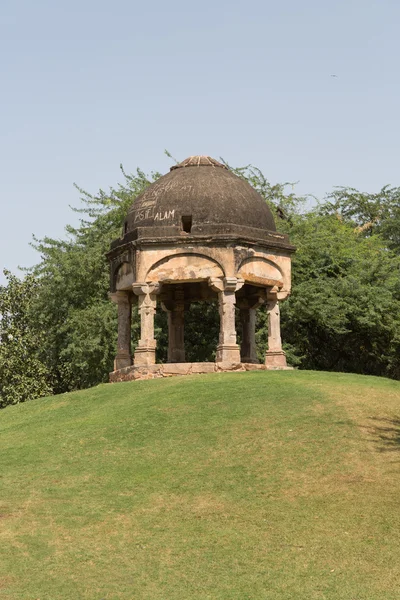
[22,373]
[343,313]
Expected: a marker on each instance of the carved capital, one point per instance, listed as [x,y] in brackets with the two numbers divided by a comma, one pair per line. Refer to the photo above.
[253,302]
[273,305]
[216,284]
[233,284]
[142,289]
[272,294]
[283,294]
[164,307]
[257,302]
[227,284]
[277,293]
[120,297]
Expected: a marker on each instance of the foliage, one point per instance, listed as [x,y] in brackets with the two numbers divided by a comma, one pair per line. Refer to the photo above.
[369,213]
[343,313]
[73,303]
[22,375]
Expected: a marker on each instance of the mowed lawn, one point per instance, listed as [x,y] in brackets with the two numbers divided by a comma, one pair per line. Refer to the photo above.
[269,485]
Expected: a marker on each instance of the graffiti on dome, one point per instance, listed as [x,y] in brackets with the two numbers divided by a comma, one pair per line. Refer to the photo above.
[149,213]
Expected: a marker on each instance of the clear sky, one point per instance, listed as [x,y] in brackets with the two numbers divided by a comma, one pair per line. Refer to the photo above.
[89,84]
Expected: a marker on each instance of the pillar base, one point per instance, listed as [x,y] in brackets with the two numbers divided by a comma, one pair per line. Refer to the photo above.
[228,354]
[121,361]
[275,359]
[249,360]
[136,372]
[145,357]
[178,356]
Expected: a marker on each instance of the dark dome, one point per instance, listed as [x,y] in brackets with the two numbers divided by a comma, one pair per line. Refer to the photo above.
[204,192]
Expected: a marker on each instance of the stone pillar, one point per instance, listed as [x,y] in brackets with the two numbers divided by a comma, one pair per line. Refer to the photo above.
[248,316]
[275,357]
[124,303]
[175,308]
[227,350]
[145,353]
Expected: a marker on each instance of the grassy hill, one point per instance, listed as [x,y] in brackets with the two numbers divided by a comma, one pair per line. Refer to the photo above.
[270,485]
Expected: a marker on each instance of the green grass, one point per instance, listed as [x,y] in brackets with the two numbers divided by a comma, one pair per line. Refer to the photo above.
[268,485]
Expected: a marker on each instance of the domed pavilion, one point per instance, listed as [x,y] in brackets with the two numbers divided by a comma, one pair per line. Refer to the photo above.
[199,233]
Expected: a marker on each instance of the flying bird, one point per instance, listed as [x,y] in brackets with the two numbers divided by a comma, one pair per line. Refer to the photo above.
[333,75]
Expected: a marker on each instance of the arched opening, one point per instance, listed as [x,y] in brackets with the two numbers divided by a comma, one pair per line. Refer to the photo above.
[187,323]
[249,300]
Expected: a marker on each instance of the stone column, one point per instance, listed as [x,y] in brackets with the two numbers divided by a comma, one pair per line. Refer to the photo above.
[275,357]
[175,308]
[124,303]
[145,353]
[227,350]
[248,316]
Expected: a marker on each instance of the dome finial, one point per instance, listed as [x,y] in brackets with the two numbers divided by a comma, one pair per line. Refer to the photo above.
[199,161]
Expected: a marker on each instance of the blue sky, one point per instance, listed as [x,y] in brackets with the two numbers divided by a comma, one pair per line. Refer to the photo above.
[88,85]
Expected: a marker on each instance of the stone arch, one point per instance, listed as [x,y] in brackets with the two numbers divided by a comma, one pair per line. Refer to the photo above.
[261,271]
[184,267]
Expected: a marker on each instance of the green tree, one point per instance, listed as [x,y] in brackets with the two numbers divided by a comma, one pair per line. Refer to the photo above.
[73,277]
[369,213]
[23,376]
[344,311]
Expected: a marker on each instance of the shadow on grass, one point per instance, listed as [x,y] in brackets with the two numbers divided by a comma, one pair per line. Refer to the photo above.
[386,433]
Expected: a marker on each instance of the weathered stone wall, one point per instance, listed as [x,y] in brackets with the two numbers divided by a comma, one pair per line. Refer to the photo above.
[134,373]
[196,262]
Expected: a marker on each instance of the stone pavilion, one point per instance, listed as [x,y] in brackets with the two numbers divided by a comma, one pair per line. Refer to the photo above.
[199,233]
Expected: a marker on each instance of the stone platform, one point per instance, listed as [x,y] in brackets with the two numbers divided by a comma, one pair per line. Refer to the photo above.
[174,369]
